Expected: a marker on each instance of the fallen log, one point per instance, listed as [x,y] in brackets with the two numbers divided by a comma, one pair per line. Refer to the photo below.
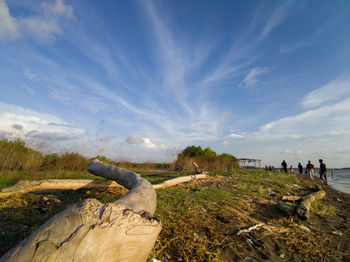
[303,207]
[90,231]
[24,186]
[179,180]
[290,198]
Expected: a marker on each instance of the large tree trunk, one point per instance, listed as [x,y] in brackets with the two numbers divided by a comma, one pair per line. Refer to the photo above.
[303,208]
[90,231]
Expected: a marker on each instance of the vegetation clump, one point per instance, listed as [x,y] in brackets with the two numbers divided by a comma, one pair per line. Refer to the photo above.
[206,158]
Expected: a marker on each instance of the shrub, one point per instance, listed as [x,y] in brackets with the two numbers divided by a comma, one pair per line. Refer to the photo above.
[206,159]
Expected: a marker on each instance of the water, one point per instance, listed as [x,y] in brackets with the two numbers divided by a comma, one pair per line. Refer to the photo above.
[340,180]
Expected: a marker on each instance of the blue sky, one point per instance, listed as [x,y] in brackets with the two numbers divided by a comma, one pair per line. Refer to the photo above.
[141,80]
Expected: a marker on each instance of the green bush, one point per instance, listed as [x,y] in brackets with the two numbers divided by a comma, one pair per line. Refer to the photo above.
[206,159]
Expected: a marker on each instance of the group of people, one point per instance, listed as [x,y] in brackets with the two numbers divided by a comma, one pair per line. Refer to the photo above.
[310,170]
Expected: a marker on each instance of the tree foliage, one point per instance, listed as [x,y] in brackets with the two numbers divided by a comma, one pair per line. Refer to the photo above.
[206,158]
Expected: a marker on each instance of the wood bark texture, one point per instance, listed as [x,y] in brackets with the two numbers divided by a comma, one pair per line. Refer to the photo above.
[303,208]
[90,231]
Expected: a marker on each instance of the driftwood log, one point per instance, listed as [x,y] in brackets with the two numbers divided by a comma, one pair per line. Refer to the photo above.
[179,180]
[303,208]
[291,198]
[90,231]
[24,186]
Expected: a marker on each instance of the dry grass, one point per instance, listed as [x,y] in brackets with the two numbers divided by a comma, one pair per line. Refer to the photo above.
[200,219]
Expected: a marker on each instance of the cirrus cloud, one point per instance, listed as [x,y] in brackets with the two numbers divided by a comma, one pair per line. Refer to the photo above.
[252,77]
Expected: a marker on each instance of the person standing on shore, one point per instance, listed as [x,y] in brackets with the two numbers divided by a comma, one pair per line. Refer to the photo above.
[323,172]
[291,168]
[300,169]
[310,170]
[284,165]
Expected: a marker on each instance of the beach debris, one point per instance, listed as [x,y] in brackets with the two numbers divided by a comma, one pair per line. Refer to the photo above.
[304,205]
[297,186]
[282,256]
[155,260]
[197,238]
[274,199]
[257,226]
[203,210]
[250,259]
[167,257]
[249,241]
[290,198]
[50,199]
[255,200]
[304,228]
[337,233]
[255,242]
[270,192]
[287,207]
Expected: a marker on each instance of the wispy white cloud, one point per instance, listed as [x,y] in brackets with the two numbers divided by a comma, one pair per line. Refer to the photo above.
[134,140]
[300,44]
[44,26]
[326,122]
[16,121]
[58,7]
[276,18]
[234,135]
[39,28]
[8,26]
[333,91]
[28,89]
[252,77]
[144,141]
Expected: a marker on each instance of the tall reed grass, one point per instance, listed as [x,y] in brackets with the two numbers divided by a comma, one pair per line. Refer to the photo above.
[15,155]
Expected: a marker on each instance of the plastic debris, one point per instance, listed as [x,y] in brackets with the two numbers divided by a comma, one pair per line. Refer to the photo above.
[255,200]
[337,233]
[297,186]
[287,207]
[247,230]
[304,228]
[251,259]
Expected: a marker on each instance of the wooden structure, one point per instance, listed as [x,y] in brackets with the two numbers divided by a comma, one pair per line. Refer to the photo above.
[249,162]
